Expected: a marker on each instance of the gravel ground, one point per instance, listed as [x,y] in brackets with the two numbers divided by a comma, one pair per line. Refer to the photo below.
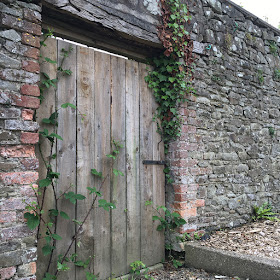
[258,238]
[189,274]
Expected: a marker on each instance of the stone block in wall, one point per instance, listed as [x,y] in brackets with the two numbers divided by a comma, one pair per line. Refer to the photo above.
[19,24]
[31,40]
[6,61]
[8,272]
[21,125]
[10,34]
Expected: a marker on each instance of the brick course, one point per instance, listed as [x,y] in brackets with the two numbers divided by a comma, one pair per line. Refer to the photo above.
[29,138]
[27,114]
[30,90]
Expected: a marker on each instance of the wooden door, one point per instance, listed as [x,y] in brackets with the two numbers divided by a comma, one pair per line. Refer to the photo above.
[118,105]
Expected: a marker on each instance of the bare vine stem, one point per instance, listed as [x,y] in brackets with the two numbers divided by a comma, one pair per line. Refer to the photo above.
[85,218]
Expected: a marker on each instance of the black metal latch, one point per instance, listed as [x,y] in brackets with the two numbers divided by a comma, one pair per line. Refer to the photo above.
[154,162]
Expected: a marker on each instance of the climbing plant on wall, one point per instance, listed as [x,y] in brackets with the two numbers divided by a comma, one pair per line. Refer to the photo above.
[171,77]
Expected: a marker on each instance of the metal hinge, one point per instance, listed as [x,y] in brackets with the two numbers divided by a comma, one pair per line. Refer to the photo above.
[154,162]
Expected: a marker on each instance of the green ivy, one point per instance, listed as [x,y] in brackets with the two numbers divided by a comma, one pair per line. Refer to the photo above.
[169,222]
[171,77]
[170,86]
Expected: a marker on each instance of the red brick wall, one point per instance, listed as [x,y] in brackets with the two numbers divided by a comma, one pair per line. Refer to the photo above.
[184,195]
[19,74]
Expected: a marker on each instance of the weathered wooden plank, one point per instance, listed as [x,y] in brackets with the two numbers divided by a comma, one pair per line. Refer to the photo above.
[118,191]
[132,162]
[102,146]
[45,110]
[85,152]
[158,187]
[146,171]
[66,152]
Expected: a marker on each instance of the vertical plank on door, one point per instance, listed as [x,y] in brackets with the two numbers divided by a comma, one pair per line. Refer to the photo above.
[146,171]
[158,186]
[132,162]
[85,153]
[118,191]
[46,109]
[66,151]
[102,146]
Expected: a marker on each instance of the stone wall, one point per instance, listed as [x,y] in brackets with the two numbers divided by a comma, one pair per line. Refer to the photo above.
[228,157]
[19,73]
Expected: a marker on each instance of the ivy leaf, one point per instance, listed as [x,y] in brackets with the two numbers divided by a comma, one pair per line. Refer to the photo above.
[162,78]
[44,133]
[73,257]
[32,220]
[169,68]
[62,266]
[65,105]
[82,264]
[47,249]
[52,119]
[91,276]
[79,263]
[67,72]
[46,75]
[176,215]
[95,172]
[44,183]
[49,276]
[73,197]
[70,196]
[56,136]
[94,190]
[50,61]
[148,202]
[160,228]
[77,222]
[64,215]
[48,239]
[46,121]
[56,236]
[53,174]
[117,172]
[111,156]
[162,207]
[53,212]
[79,196]
[106,205]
